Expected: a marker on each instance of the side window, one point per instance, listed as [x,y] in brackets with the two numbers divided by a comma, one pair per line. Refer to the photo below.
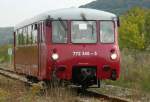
[20,37]
[107,32]
[42,37]
[34,33]
[41,32]
[59,32]
[16,40]
[24,36]
[29,34]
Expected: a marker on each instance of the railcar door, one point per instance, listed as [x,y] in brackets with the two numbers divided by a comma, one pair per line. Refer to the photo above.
[42,50]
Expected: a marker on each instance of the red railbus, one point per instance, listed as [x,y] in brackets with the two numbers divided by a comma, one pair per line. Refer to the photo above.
[78,45]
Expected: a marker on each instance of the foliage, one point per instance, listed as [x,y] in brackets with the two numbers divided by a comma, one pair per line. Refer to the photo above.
[134,29]
[147,28]
[4,96]
[3,53]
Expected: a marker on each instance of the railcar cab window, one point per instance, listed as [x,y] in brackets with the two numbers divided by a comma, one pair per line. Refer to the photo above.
[59,31]
[83,32]
[106,32]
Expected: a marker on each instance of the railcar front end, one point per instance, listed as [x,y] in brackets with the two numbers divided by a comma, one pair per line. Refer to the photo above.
[84,52]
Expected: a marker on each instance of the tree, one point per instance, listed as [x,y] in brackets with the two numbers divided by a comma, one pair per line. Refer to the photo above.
[147,29]
[132,30]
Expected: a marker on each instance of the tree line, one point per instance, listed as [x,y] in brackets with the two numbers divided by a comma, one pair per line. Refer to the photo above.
[134,32]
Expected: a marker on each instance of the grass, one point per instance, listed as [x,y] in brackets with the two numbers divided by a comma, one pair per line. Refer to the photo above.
[4,95]
[15,91]
[11,90]
[135,70]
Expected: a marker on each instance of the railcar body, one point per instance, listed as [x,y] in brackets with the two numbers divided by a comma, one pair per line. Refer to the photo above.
[76,44]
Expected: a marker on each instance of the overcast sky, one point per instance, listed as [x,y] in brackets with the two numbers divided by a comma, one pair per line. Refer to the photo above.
[14,11]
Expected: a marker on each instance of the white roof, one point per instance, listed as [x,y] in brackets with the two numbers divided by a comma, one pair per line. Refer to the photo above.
[71,14]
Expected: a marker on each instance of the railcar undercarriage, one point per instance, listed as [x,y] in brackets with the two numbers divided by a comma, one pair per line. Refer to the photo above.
[84,76]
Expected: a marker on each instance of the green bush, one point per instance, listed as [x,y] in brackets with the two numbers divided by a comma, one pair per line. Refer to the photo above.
[4,57]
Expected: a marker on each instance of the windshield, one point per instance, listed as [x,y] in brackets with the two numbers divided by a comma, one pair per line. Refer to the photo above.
[107,31]
[83,32]
[59,32]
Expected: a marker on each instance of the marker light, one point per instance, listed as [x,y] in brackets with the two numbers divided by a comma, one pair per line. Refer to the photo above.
[113,56]
[55,56]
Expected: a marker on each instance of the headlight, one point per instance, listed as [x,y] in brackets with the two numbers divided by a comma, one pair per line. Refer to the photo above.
[113,56]
[55,56]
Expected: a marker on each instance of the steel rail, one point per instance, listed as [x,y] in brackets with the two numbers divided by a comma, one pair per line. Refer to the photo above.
[99,96]
[13,75]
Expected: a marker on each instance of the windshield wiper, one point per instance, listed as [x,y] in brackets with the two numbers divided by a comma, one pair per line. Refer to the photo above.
[63,24]
[83,16]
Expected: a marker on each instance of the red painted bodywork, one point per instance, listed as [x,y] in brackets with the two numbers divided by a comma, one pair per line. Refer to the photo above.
[68,59]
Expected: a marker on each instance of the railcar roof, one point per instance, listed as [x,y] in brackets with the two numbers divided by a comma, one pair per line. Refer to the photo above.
[70,14]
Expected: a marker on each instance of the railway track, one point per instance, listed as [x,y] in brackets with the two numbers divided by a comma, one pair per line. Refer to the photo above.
[89,94]
[100,97]
[13,75]
[103,97]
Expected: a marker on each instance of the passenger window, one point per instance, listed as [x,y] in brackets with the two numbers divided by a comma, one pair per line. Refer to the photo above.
[34,33]
[26,31]
[24,36]
[29,35]
[20,37]
[41,32]
[59,31]
[42,39]
[107,32]
[17,42]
